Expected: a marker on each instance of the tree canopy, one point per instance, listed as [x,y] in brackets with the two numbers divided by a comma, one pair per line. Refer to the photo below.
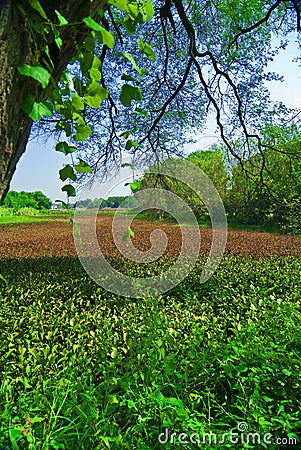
[142,76]
[36,200]
[110,202]
[270,198]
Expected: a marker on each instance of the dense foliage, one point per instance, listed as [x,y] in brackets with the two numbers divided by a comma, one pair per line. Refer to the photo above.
[253,193]
[17,200]
[270,194]
[140,94]
[110,202]
[82,368]
[196,59]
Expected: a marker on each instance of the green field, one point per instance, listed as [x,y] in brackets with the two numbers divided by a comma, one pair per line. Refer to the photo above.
[85,369]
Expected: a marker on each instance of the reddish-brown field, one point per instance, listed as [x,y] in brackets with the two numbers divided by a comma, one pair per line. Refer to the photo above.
[56,239]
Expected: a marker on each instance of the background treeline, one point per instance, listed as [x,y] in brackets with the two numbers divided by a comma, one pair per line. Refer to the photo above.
[25,202]
[110,202]
[37,201]
[268,195]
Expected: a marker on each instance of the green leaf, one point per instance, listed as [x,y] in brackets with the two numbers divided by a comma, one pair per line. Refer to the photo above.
[79,86]
[62,20]
[86,62]
[67,79]
[35,4]
[37,72]
[86,55]
[133,11]
[130,143]
[15,435]
[76,230]
[286,372]
[242,367]
[146,50]
[105,36]
[67,172]
[82,132]
[36,110]
[92,24]
[149,9]
[57,37]
[82,166]
[78,118]
[112,399]
[126,133]
[69,189]
[141,111]
[267,399]
[37,419]
[126,77]
[95,94]
[132,60]
[120,4]
[77,102]
[65,126]
[129,25]
[64,148]
[3,279]
[64,205]
[129,93]
[135,186]
[128,232]
[131,232]
[95,72]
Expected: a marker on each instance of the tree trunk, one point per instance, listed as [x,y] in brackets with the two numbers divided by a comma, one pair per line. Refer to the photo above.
[18,46]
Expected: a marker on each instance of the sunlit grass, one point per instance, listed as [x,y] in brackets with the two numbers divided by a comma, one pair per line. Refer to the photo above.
[84,368]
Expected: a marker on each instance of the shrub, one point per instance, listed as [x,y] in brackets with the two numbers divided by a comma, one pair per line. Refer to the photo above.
[27,212]
[6,212]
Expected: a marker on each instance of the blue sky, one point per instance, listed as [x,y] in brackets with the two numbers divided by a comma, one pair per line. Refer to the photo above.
[38,168]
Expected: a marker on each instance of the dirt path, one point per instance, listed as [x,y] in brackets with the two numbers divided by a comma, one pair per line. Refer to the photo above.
[55,239]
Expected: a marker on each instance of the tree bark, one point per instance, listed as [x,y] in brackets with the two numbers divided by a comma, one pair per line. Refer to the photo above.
[18,45]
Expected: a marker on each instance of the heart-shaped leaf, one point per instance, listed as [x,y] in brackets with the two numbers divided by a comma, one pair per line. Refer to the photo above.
[129,93]
[37,72]
[69,189]
[82,132]
[64,148]
[36,110]
[82,166]
[95,94]
[67,172]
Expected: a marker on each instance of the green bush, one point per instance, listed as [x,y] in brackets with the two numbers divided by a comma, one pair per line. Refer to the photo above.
[27,212]
[6,212]
[18,200]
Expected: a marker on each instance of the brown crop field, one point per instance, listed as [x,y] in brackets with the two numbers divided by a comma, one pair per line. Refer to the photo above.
[34,240]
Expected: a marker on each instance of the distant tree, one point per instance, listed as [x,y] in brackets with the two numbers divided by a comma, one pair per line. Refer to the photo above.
[211,162]
[18,200]
[115,201]
[269,195]
[83,203]
[43,202]
[111,202]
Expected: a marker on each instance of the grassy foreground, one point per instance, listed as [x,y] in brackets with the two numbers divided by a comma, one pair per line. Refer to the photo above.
[81,368]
